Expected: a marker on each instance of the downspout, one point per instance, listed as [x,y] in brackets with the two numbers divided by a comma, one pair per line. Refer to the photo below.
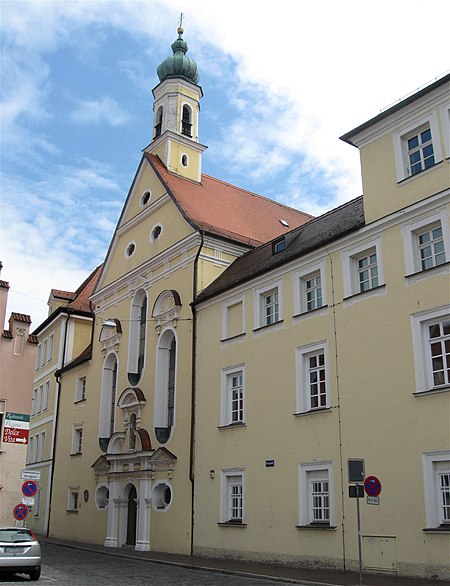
[193,388]
[58,390]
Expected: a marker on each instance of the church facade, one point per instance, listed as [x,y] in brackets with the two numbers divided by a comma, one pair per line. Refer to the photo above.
[244,352]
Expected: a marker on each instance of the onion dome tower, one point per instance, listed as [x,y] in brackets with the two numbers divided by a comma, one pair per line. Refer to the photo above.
[176,113]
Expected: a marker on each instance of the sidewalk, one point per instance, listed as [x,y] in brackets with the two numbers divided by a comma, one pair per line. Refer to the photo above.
[288,574]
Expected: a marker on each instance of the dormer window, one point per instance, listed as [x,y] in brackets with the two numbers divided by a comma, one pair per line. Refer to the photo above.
[186,122]
[158,125]
[279,245]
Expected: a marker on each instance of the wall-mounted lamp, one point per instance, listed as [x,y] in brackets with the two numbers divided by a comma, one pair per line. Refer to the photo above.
[212,474]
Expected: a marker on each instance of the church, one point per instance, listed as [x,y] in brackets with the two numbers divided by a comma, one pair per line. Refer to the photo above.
[243,353]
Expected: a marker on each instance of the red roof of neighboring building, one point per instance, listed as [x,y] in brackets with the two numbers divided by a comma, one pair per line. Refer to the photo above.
[84,291]
[59,294]
[226,210]
[21,317]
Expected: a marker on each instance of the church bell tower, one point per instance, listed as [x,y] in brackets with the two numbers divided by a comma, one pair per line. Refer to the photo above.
[176,113]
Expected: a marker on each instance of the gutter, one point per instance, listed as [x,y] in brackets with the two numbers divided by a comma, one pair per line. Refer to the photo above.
[193,387]
[58,381]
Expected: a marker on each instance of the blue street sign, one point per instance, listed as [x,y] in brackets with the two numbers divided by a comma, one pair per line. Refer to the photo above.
[20,512]
[29,488]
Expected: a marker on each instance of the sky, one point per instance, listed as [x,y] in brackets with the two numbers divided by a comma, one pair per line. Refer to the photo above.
[281,82]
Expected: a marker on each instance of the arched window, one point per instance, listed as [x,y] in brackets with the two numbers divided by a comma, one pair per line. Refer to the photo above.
[166,359]
[138,328]
[186,121]
[108,401]
[158,120]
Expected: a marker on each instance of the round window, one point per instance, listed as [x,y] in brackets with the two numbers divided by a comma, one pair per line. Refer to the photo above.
[145,198]
[156,232]
[162,496]
[130,249]
[184,160]
[102,497]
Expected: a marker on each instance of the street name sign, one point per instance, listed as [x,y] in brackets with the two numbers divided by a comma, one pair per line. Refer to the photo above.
[30,474]
[16,428]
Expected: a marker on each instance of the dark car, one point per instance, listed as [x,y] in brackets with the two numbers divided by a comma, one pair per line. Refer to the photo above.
[20,552]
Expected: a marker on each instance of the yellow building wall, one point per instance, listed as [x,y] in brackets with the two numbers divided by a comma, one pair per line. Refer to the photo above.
[372,386]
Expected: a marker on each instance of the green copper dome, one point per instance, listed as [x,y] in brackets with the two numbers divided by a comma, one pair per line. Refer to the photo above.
[178,65]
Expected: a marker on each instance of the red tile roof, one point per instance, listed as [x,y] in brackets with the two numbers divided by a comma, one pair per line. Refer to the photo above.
[226,210]
[59,294]
[84,291]
[21,317]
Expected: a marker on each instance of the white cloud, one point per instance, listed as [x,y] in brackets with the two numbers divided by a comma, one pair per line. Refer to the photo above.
[103,111]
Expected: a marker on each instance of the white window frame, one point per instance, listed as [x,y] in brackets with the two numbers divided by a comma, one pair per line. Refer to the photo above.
[301,277]
[412,230]
[434,464]
[225,311]
[445,116]
[350,257]
[401,147]
[46,395]
[230,478]
[44,352]
[80,390]
[259,296]
[226,396]
[38,357]
[34,401]
[422,355]
[308,472]
[51,341]
[77,440]
[40,455]
[303,380]
[40,392]
[73,498]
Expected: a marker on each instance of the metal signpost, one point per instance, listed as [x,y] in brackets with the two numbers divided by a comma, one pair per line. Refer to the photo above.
[356,476]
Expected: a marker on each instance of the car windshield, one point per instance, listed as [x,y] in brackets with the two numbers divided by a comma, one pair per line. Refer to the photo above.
[15,535]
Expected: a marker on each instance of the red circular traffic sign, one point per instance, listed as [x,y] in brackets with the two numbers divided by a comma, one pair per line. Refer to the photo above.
[20,512]
[29,488]
[372,486]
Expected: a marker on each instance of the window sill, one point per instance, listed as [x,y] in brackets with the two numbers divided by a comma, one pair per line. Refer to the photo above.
[362,294]
[423,272]
[320,526]
[232,524]
[313,411]
[311,312]
[76,454]
[79,401]
[268,326]
[72,512]
[441,529]
[437,391]
[233,338]
[231,425]
[408,178]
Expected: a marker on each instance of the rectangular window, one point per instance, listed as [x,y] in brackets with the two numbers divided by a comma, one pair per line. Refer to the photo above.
[44,353]
[40,392]
[37,503]
[431,247]
[317,380]
[38,356]
[436,470]
[51,340]
[233,395]
[36,450]
[30,450]
[315,493]
[232,496]
[420,151]
[232,319]
[46,395]
[73,499]
[81,389]
[33,402]
[312,378]
[362,270]
[439,343]
[236,390]
[77,440]
[367,272]
[431,343]
[271,312]
[41,447]
[313,292]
